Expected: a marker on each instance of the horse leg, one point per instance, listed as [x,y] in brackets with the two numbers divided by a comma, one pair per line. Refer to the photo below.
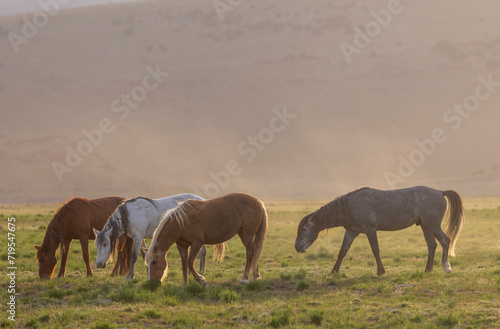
[444,240]
[256,273]
[202,255]
[195,248]
[431,247]
[64,258]
[372,238]
[183,252]
[127,255]
[346,244]
[119,258]
[248,243]
[135,254]
[84,242]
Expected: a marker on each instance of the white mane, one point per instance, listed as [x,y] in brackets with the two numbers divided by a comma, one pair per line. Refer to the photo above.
[178,214]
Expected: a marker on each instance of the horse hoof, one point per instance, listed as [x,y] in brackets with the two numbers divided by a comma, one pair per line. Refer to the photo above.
[129,277]
[243,282]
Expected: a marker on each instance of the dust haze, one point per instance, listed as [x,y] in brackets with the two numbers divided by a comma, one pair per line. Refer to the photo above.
[185,96]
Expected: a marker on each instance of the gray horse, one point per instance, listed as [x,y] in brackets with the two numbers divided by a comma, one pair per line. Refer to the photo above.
[368,210]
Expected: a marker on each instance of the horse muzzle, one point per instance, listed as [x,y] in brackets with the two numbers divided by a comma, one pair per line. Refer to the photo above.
[101,265]
[300,247]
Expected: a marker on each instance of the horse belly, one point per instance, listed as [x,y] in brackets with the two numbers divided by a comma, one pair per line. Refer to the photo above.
[395,219]
[395,225]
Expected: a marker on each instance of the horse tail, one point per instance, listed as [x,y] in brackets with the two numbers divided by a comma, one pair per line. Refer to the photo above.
[456,219]
[260,236]
[219,251]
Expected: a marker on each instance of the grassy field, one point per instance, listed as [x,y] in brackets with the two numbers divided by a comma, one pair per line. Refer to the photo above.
[297,290]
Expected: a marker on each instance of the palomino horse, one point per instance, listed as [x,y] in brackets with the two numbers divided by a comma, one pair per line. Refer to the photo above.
[138,218]
[368,210]
[195,223]
[74,220]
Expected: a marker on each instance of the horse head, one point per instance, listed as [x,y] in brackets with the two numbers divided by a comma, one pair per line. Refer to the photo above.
[105,242]
[307,233]
[157,264]
[46,261]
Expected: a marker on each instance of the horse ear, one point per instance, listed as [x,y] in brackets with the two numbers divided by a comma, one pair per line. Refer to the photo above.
[37,247]
[312,219]
[145,250]
[96,232]
[155,249]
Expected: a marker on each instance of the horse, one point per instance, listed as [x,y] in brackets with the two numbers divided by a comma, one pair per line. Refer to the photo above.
[195,223]
[138,218]
[75,219]
[368,210]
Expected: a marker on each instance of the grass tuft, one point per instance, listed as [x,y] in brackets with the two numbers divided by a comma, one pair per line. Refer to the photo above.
[280,318]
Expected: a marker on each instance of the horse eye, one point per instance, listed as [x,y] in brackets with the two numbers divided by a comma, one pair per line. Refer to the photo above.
[153,262]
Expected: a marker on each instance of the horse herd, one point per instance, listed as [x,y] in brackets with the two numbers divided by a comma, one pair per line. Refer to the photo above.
[191,222]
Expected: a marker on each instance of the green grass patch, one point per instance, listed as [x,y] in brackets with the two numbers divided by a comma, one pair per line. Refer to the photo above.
[297,290]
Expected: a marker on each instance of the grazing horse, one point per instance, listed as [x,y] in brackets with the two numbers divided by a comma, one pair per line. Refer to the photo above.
[75,219]
[138,218]
[368,210]
[195,223]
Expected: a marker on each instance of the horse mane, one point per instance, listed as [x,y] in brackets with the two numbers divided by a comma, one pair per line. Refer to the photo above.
[58,225]
[177,214]
[124,214]
[340,206]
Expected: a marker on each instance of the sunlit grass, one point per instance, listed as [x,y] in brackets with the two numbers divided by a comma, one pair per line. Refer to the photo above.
[296,290]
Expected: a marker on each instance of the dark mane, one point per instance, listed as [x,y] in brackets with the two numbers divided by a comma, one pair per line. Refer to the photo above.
[122,208]
[69,210]
[338,207]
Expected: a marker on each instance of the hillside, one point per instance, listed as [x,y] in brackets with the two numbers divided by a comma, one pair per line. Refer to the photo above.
[214,85]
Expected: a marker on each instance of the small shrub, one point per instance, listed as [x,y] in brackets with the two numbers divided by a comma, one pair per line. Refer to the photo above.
[280,318]
[151,314]
[228,296]
[194,289]
[255,285]
[33,323]
[317,317]
[302,285]
[55,293]
[449,320]
[284,276]
[151,285]
[44,318]
[126,294]
[300,274]
[103,325]
[416,318]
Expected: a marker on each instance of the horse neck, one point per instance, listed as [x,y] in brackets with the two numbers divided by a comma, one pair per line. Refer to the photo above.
[118,226]
[331,215]
[168,235]
[51,239]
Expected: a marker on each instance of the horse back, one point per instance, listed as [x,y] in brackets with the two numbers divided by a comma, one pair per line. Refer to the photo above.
[221,218]
[398,209]
[103,209]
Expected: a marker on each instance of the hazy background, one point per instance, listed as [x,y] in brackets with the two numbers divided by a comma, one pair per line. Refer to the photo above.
[354,121]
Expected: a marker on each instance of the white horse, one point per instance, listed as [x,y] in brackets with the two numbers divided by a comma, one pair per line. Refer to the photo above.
[138,218]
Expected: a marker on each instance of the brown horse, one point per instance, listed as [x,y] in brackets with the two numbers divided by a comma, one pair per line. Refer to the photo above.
[195,223]
[75,219]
